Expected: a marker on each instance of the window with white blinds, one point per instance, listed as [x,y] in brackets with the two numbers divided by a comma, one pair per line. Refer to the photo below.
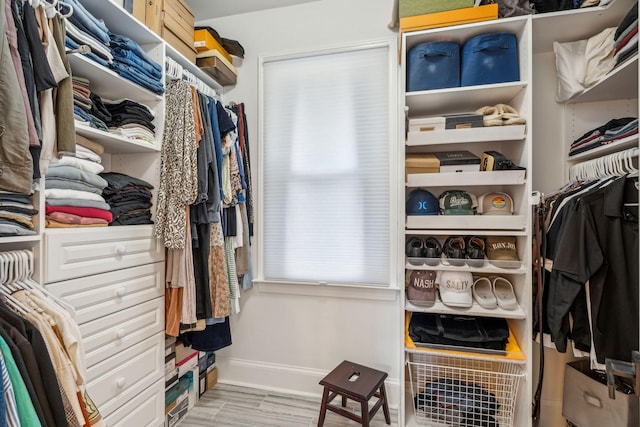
[325,163]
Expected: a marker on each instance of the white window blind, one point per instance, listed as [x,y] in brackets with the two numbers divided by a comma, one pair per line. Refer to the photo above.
[325,168]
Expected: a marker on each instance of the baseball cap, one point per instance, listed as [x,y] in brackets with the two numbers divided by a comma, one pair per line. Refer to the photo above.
[458,202]
[495,203]
[421,287]
[502,251]
[422,202]
[455,288]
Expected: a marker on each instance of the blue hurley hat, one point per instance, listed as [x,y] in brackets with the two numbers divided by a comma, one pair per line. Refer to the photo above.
[422,202]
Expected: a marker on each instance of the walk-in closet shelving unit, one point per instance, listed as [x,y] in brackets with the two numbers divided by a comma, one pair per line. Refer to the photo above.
[500,375]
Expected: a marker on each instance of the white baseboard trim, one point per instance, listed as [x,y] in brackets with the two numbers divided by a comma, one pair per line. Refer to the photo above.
[285,379]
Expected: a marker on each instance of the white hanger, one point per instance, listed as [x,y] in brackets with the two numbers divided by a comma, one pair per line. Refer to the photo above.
[61,3]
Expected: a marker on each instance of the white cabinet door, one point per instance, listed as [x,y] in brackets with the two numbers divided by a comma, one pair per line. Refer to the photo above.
[72,253]
[147,409]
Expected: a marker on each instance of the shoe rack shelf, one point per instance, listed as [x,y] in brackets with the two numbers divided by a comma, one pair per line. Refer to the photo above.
[461,136]
[475,310]
[514,142]
[452,179]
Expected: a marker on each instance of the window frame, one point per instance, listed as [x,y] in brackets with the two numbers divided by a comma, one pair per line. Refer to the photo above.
[395,150]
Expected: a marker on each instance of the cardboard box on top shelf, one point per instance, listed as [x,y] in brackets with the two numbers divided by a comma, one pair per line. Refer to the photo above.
[420,7]
[449,18]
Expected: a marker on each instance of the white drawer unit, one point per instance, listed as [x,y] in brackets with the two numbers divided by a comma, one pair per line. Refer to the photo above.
[75,253]
[118,379]
[117,332]
[96,296]
[146,409]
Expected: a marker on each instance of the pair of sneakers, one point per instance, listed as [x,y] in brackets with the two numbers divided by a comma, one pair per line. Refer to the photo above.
[423,250]
[458,251]
[494,291]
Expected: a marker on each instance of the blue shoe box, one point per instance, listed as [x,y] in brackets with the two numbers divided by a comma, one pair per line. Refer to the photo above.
[489,58]
[433,65]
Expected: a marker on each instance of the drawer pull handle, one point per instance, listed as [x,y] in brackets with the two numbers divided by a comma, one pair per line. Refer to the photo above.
[120,292]
[120,382]
[592,400]
[120,334]
[120,249]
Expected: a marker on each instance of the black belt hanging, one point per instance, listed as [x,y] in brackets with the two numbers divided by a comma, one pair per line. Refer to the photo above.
[538,251]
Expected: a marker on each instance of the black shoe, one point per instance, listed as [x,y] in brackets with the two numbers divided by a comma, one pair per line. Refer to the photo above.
[413,250]
[475,251]
[431,251]
[454,251]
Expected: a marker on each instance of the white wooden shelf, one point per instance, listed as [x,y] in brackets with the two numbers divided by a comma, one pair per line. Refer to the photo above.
[467,222]
[459,136]
[107,83]
[468,231]
[193,69]
[619,83]
[454,100]
[487,268]
[623,144]
[114,143]
[453,179]
[474,310]
[19,239]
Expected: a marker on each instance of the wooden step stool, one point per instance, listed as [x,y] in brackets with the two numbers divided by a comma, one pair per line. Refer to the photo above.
[358,383]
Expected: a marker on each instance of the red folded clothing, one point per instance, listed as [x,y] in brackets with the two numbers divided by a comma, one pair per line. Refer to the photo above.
[86,212]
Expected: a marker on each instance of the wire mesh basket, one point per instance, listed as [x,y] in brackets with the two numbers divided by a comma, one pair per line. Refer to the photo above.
[450,390]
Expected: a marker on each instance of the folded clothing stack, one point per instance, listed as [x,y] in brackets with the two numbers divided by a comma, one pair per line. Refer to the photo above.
[129,199]
[86,105]
[16,212]
[114,51]
[626,36]
[131,120]
[73,189]
[612,131]
[133,63]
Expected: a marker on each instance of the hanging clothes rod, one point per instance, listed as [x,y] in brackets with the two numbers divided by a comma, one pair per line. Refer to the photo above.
[177,71]
[616,164]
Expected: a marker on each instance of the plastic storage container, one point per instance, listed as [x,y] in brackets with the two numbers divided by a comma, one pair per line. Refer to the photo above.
[489,58]
[433,65]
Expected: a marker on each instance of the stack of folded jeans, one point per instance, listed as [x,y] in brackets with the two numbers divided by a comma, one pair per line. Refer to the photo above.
[16,212]
[129,199]
[131,120]
[133,63]
[85,29]
[73,194]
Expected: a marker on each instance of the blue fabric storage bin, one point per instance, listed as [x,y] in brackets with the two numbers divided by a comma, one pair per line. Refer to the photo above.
[489,58]
[433,65]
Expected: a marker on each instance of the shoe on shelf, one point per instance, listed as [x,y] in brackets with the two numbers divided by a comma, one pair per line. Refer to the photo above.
[475,251]
[491,116]
[413,250]
[453,251]
[503,290]
[483,293]
[431,251]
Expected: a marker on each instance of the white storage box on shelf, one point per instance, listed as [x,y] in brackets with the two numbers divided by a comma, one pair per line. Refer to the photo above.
[455,390]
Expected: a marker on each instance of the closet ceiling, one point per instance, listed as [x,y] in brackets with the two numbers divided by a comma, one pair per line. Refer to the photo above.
[207,9]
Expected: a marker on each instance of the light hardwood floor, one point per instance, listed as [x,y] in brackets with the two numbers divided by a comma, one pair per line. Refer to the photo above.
[233,406]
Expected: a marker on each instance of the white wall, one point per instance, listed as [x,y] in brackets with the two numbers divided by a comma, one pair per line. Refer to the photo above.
[284,341]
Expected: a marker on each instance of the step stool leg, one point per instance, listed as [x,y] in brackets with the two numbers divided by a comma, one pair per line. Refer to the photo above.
[385,404]
[344,401]
[364,405]
[323,407]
